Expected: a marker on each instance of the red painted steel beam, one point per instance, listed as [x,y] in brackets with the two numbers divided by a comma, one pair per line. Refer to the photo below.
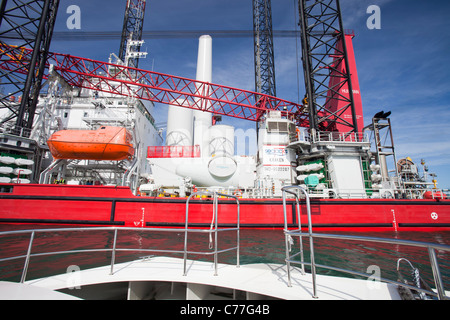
[156,87]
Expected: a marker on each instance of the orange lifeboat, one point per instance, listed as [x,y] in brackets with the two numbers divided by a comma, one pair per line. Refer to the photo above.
[105,143]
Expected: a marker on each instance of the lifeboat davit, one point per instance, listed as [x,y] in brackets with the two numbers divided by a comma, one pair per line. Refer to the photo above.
[105,143]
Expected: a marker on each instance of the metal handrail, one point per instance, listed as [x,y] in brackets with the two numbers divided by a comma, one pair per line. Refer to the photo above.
[114,248]
[287,189]
[213,227]
[431,247]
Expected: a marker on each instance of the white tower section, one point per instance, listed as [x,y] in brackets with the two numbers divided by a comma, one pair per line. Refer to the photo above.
[217,165]
[203,120]
[179,126]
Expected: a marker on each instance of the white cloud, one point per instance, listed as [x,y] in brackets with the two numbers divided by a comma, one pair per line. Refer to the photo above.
[235,69]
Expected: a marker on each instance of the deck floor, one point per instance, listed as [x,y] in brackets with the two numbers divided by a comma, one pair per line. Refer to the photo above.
[259,280]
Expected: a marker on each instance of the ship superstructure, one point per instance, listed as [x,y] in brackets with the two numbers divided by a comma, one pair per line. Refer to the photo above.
[92,110]
[76,130]
[200,152]
[104,115]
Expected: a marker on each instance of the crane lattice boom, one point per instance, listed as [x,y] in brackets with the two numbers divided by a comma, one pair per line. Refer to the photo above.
[154,86]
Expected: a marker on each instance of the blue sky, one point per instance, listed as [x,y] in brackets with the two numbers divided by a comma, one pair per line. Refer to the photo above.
[403,67]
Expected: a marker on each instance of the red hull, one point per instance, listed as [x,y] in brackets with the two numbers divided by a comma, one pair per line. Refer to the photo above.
[116,206]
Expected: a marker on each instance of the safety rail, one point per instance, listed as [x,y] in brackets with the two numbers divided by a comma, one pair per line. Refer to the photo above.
[214,226]
[288,234]
[173,151]
[14,130]
[431,248]
[212,230]
[327,136]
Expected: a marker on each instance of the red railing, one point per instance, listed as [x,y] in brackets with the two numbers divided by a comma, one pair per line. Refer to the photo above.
[173,152]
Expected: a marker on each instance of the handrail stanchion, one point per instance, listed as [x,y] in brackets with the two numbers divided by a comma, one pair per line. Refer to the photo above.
[113,254]
[214,228]
[185,252]
[237,224]
[297,206]
[238,240]
[27,259]
[436,273]
[286,239]
[311,241]
[215,201]
[185,231]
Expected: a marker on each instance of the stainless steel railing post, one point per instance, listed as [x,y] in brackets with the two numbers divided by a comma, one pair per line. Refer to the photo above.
[27,259]
[297,207]
[186,223]
[237,225]
[186,233]
[238,233]
[214,228]
[436,273]
[215,231]
[113,253]
[286,239]
[311,241]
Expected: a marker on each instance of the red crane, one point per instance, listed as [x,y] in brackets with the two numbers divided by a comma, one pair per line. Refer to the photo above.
[156,87]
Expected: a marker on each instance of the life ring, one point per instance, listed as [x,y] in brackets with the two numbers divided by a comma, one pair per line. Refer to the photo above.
[237,193]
